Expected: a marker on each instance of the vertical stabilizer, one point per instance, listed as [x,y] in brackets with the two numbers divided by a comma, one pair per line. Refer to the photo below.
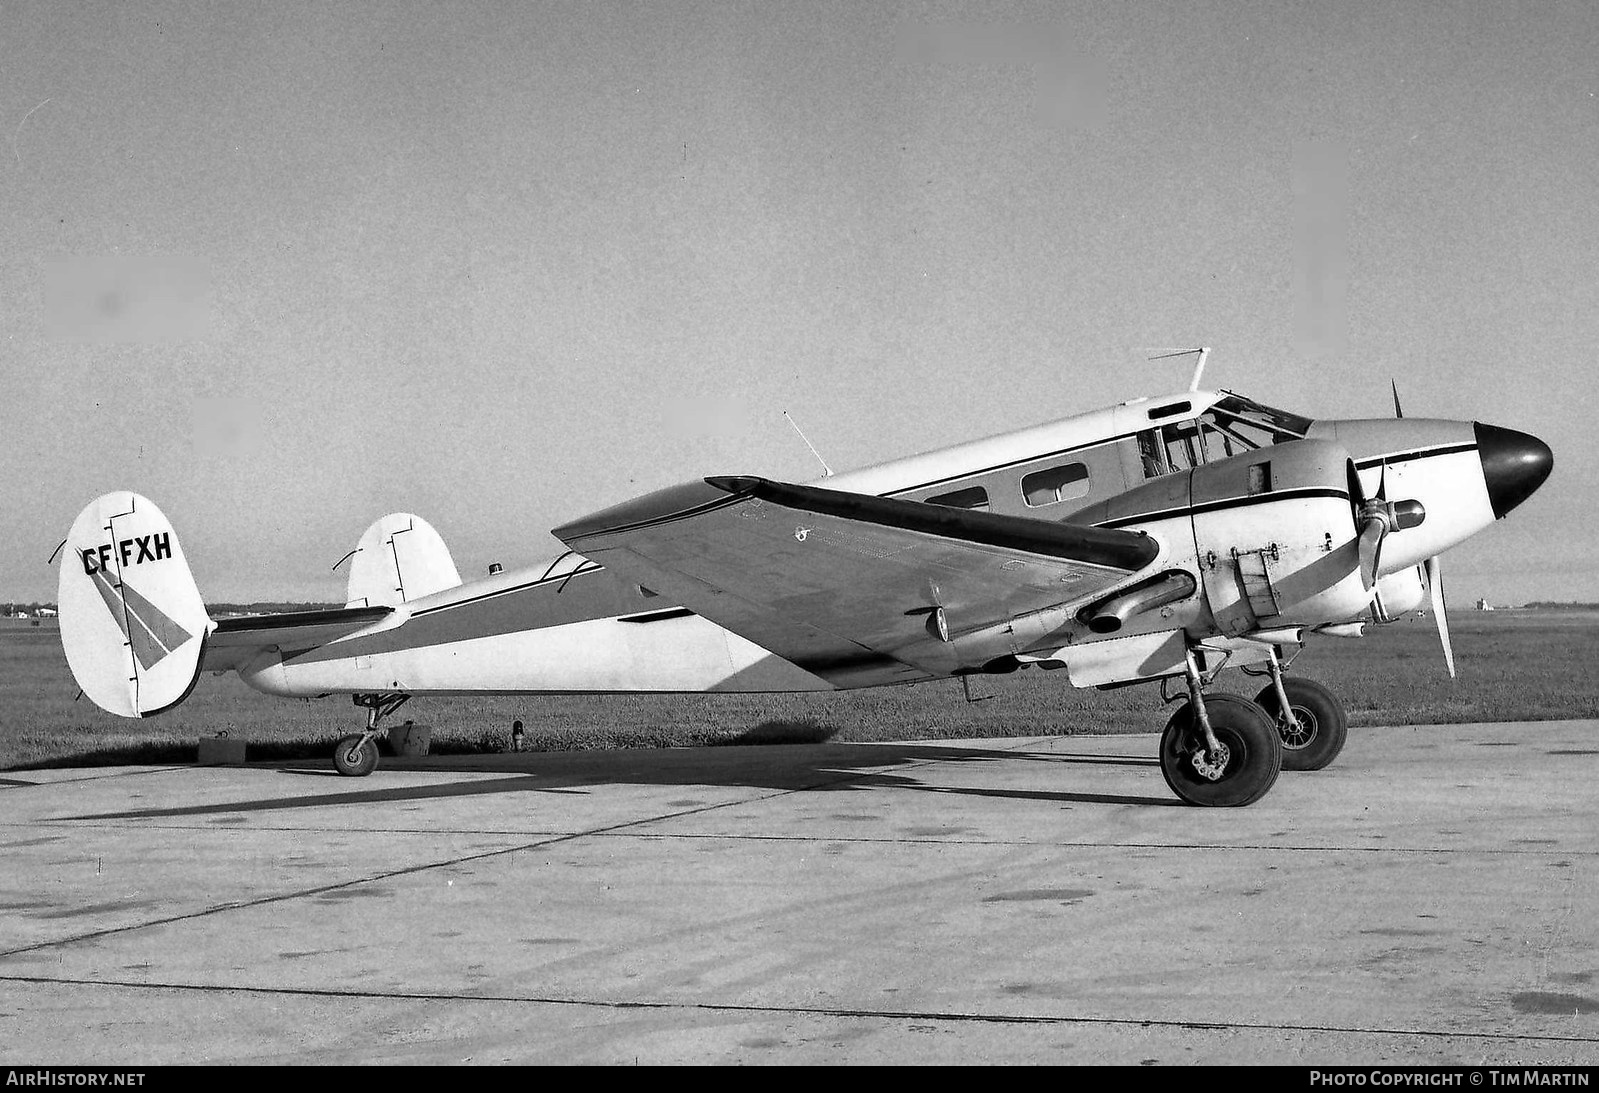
[133,625]
[400,558]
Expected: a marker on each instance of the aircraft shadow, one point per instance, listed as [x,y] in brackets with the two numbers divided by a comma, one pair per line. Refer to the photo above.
[798,767]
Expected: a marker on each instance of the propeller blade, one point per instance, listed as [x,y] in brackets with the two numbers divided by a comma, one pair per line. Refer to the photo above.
[1397,411]
[1371,537]
[1435,585]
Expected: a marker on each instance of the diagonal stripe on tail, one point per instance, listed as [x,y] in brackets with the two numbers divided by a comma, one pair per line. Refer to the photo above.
[165,631]
[144,625]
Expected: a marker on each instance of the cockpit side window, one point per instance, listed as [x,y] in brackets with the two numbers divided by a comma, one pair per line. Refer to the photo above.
[1152,454]
[1184,447]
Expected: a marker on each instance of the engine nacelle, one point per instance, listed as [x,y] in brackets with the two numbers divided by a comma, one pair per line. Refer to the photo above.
[1275,532]
[1398,594]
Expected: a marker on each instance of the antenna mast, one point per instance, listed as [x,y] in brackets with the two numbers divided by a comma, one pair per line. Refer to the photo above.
[1199,366]
[827,472]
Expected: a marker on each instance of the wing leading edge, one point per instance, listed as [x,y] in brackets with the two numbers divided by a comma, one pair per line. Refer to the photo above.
[856,588]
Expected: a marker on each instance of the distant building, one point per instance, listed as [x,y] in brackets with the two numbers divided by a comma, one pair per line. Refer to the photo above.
[1484,605]
[47,612]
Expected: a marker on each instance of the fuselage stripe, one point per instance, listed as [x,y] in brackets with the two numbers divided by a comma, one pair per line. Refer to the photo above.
[587,567]
[1209,506]
[1412,453]
[1226,503]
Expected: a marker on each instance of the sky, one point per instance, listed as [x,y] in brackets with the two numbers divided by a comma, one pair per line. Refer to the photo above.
[285,267]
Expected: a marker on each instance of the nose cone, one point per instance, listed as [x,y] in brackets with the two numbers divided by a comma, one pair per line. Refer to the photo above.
[1513,464]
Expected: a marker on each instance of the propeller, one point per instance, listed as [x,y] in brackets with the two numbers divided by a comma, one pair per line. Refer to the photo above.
[1435,585]
[1377,517]
[1433,567]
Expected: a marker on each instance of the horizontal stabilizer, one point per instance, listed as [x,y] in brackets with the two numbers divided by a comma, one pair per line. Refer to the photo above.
[236,641]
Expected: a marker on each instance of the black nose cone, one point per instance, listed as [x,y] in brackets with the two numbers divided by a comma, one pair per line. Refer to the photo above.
[1513,464]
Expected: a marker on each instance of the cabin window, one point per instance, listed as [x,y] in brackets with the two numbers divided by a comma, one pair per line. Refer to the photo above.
[973,497]
[1055,484]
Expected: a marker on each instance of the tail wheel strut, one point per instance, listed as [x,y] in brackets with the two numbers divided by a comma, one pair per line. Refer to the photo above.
[357,754]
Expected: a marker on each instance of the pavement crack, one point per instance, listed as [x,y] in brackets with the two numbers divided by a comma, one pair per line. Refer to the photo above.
[949,1016]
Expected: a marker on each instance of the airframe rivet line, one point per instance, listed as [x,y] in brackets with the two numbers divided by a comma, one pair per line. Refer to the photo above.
[807,1011]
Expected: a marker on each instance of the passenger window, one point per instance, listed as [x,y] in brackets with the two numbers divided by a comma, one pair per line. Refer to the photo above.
[1055,484]
[973,497]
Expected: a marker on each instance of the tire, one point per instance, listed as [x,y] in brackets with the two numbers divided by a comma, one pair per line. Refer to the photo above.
[355,756]
[1255,752]
[1324,724]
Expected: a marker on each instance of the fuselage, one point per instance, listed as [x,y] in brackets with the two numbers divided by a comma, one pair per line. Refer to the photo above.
[572,626]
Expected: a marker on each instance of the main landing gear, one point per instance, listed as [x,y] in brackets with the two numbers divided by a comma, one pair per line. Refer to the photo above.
[1223,749]
[1310,720]
[357,754]
[1219,749]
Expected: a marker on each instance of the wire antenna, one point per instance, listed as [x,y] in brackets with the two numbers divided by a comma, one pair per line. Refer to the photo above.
[1199,366]
[1204,355]
[827,472]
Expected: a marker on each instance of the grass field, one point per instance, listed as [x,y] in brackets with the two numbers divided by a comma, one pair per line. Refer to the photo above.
[1514,665]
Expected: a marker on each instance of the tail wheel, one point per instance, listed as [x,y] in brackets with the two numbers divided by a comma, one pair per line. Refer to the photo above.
[1254,754]
[1323,725]
[356,756]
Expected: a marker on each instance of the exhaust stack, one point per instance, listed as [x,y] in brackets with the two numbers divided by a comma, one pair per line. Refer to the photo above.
[1109,616]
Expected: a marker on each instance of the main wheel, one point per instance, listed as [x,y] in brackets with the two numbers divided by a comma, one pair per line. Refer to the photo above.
[1254,753]
[1323,725]
[355,756]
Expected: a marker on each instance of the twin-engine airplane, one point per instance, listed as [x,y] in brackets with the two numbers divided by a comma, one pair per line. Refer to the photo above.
[1162,539]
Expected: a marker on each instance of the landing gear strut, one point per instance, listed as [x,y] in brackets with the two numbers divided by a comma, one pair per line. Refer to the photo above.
[1311,722]
[357,754]
[1219,749]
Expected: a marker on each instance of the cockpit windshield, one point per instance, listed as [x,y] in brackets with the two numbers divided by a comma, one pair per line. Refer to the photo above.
[1231,426]
[1282,424]
[1236,424]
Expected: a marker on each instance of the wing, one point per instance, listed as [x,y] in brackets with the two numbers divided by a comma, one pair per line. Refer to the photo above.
[235,641]
[855,588]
